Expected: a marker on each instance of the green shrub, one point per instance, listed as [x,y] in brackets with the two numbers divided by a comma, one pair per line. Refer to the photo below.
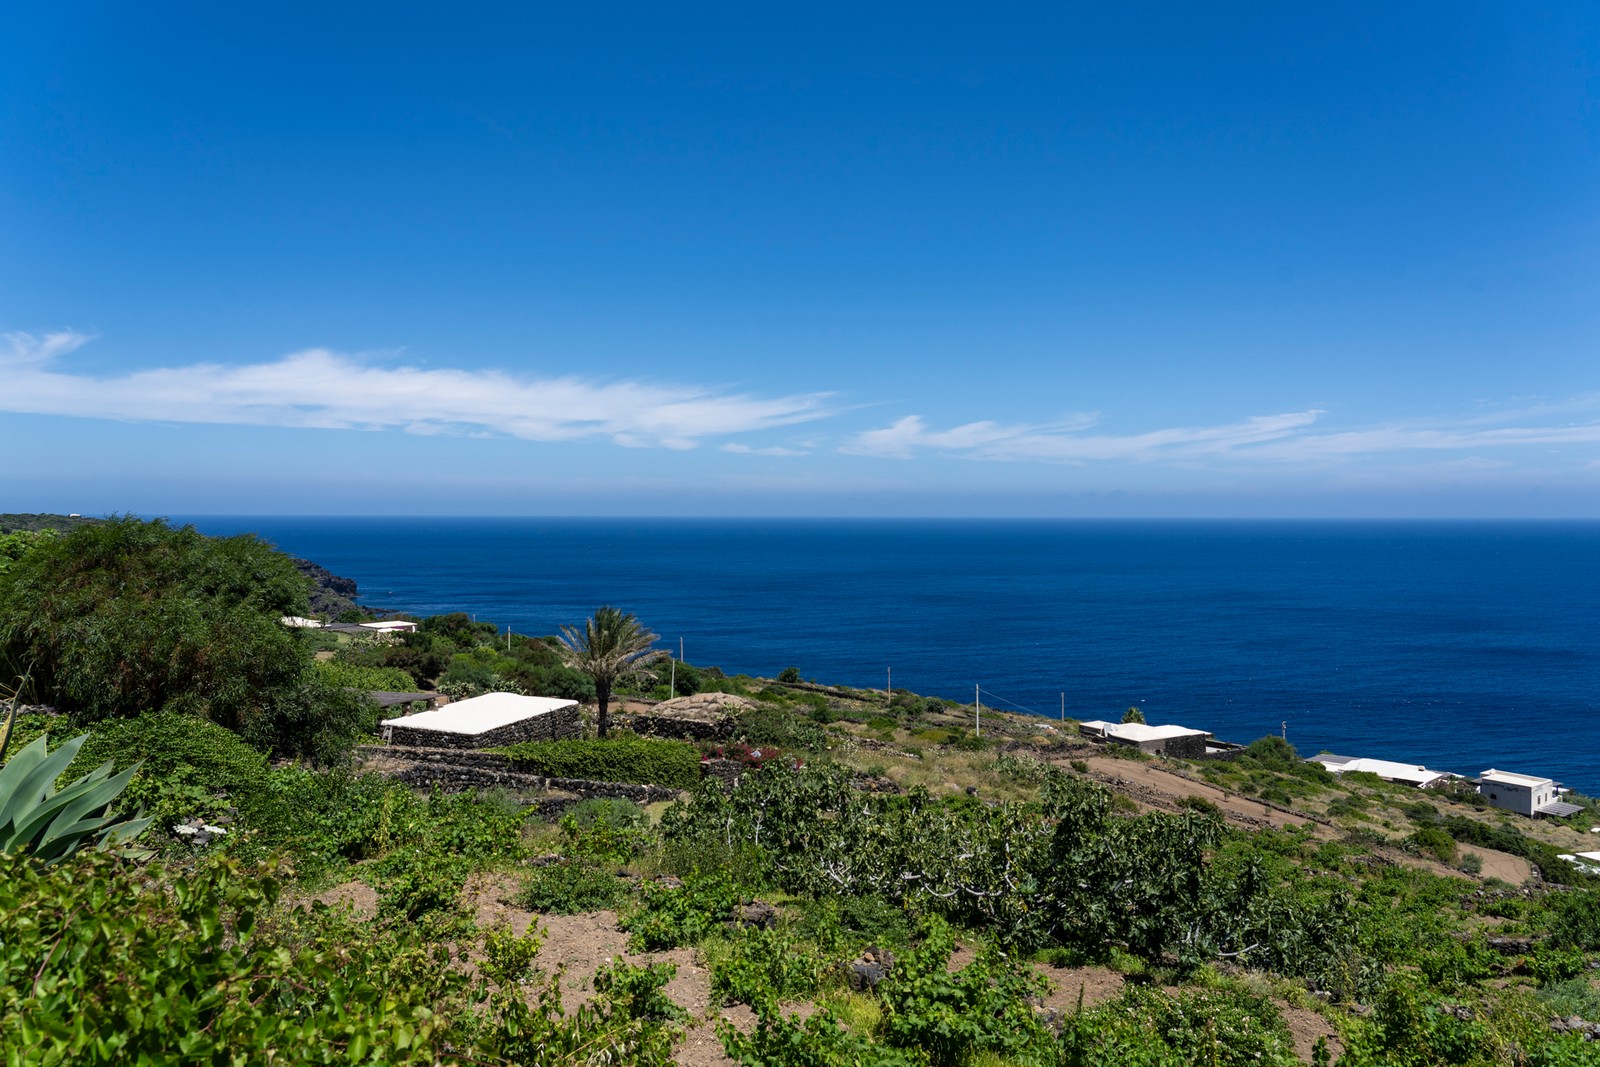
[648,761]
[344,675]
[179,751]
[1150,1028]
[1435,842]
[1574,919]
[765,965]
[789,675]
[680,915]
[570,888]
[615,812]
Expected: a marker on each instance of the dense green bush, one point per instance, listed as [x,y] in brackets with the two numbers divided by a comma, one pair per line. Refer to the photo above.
[1150,1028]
[345,675]
[125,617]
[202,977]
[570,888]
[619,759]
[191,766]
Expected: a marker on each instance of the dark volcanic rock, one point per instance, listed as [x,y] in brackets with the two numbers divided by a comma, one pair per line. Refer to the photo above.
[331,595]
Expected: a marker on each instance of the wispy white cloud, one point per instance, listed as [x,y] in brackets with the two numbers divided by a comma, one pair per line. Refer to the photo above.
[326,390]
[20,348]
[773,450]
[1066,442]
[1288,438]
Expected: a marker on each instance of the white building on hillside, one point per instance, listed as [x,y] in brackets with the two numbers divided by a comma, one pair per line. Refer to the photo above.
[1524,794]
[1401,773]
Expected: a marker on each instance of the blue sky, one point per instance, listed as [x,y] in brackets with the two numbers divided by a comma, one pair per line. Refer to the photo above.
[1236,260]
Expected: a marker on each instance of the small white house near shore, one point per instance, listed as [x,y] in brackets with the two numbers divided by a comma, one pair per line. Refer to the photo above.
[1401,773]
[1524,794]
[485,721]
[1166,740]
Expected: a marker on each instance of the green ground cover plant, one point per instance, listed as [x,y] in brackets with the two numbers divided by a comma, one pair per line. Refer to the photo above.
[648,761]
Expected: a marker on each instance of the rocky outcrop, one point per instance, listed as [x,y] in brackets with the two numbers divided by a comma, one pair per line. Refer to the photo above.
[331,595]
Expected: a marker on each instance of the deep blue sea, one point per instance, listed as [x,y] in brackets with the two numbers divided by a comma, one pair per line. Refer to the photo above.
[1457,645]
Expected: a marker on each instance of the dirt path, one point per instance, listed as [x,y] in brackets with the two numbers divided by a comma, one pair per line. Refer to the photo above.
[1160,789]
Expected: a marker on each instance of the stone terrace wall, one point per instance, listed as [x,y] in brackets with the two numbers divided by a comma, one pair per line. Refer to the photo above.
[455,771]
[551,726]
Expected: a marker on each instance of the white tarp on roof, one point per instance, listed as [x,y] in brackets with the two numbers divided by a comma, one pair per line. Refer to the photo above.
[479,715]
[1388,770]
[1137,732]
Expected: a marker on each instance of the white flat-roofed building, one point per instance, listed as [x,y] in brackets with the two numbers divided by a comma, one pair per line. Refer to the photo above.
[390,626]
[487,721]
[1524,794]
[300,622]
[1160,740]
[1403,773]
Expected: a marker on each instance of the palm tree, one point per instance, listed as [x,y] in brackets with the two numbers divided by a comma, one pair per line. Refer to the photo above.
[611,642]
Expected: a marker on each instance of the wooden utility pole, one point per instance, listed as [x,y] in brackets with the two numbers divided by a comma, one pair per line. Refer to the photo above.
[977,712]
[1063,706]
[888,689]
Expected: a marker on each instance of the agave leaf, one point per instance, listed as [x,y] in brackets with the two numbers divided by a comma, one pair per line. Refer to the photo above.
[125,831]
[82,797]
[30,824]
[18,768]
[37,784]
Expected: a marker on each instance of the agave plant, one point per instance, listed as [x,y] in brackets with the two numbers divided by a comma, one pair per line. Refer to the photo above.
[49,823]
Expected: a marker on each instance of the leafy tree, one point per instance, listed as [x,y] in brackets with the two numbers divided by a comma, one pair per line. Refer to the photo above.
[123,617]
[611,643]
[1133,714]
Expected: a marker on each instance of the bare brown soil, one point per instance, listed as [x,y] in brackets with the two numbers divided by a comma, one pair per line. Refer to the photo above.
[1305,1026]
[359,897]
[1088,986]
[1159,789]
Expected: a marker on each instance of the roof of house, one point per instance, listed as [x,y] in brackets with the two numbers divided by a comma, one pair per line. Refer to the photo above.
[389,624]
[1508,778]
[481,714]
[300,621]
[1385,769]
[1138,732]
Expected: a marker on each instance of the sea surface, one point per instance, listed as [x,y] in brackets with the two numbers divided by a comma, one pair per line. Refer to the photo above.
[1456,645]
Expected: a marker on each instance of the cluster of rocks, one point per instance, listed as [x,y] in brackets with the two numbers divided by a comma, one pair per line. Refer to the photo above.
[867,970]
[701,717]
[1572,1024]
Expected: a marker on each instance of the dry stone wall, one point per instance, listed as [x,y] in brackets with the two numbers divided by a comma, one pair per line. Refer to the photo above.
[551,726]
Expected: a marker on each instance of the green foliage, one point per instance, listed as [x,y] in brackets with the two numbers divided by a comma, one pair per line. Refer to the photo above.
[1574,919]
[766,965]
[570,888]
[789,675]
[124,617]
[1272,753]
[787,1041]
[343,675]
[196,982]
[1134,715]
[1435,842]
[770,726]
[1150,1028]
[950,1017]
[671,916]
[189,767]
[615,812]
[610,644]
[49,824]
[835,923]
[16,544]
[674,764]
